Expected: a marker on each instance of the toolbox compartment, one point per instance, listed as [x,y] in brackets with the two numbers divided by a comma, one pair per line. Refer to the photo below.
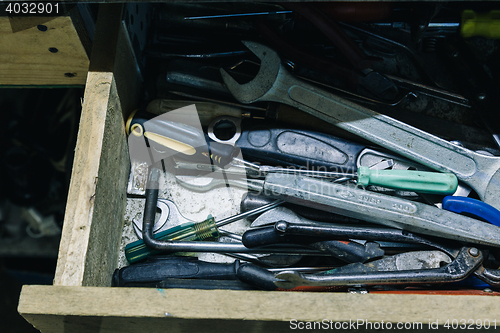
[82,299]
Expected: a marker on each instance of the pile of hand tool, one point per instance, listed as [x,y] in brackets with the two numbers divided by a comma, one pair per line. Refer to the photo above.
[367,142]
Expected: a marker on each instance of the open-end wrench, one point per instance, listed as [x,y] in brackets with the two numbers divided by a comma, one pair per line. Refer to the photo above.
[274,83]
[168,212]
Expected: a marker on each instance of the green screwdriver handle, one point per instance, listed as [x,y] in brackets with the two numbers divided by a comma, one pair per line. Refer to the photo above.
[189,231]
[411,180]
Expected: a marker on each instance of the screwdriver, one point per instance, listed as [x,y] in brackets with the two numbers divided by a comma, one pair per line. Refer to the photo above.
[191,143]
[171,138]
[411,180]
[190,231]
[418,181]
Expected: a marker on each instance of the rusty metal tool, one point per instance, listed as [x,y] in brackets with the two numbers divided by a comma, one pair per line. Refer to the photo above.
[465,263]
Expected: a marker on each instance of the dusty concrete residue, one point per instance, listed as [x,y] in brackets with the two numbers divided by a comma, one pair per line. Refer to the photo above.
[220,202]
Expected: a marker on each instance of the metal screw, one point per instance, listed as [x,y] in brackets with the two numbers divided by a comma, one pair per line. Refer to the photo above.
[481,96]
[473,252]
[280,226]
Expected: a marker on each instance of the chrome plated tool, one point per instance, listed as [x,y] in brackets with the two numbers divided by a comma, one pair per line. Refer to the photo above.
[464,264]
[466,261]
[411,260]
[252,200]
[423,182]
[378,208]
[274,83]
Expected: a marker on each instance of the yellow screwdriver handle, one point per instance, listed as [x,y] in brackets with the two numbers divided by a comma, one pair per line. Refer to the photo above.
[480,24]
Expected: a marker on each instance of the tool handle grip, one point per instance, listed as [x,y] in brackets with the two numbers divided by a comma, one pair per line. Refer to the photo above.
[222,154]
[480,24]
[168,138]
[418,181]
[256,276]
[268,235]
[160,268]
[166,135]
[138,251]
[205,284]
[472,206]
[349,251]
[274,144]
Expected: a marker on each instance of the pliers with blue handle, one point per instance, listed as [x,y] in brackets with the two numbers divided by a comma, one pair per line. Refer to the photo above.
[472,206]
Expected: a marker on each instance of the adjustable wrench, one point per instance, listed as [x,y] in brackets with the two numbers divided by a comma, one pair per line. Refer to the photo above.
[274,83]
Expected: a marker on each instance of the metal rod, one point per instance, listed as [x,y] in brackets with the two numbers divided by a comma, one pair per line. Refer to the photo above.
[236,15]
[255,211]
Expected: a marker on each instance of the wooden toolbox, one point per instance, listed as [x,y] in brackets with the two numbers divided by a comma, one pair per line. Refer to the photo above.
[82,299]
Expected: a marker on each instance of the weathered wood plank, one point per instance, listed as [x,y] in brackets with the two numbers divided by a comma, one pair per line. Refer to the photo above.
[129,309]
[28,54]
[96,201]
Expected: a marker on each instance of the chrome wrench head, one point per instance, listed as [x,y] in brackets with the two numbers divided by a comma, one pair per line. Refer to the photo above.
[169,218]
[252,91]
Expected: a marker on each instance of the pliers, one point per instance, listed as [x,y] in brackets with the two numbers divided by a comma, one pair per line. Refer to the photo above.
[466,261]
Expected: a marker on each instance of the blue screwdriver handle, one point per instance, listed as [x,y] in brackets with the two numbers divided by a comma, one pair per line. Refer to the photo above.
[472,206]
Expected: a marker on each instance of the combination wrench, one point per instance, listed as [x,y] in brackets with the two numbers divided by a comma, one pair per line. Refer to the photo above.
[274,84]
